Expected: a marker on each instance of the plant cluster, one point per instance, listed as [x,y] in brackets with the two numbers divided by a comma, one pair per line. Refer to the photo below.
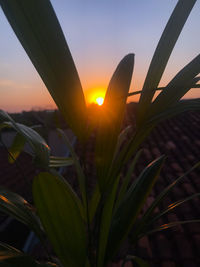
[88,231]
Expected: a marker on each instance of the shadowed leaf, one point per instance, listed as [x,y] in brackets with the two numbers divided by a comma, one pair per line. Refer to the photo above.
[111,116]
[127,179]
[182,106]
[177,87]
[127,212]
[148,214]
[106,218]
[172,206]
[163,52]
[169,225]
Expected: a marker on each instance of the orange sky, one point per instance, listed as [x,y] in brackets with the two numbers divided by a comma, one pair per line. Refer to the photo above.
[99,34]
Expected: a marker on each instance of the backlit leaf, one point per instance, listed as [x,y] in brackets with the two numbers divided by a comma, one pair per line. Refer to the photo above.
[112,113]
[177,87]
[162,53]
[169,225]
[180,107]
[37,28]
[61,217]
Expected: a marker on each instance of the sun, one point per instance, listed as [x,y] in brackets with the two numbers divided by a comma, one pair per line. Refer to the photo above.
[99,100]
[95,95]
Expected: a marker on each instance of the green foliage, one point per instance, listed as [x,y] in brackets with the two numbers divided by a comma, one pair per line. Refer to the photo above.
[56,199]
[181,84]
[111,117]
[163,52]
[87,231]
[127,212]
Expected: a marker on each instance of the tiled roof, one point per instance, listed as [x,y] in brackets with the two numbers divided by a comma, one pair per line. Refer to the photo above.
[179,140]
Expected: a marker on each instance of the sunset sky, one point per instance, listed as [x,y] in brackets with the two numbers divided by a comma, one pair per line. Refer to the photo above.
[99,33]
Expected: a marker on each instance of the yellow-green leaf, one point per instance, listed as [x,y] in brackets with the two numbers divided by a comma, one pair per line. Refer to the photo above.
[58,209]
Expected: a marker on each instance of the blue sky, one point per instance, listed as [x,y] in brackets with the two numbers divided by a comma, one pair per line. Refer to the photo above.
[99,33]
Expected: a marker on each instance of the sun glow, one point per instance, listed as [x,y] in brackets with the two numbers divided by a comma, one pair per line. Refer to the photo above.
[95,95]
[99,100]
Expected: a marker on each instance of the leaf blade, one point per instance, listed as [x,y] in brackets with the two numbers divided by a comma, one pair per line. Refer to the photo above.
[177,87]
[61,217]
[162,53]
[111,116]
[127,212]
[35,25]
[147,215]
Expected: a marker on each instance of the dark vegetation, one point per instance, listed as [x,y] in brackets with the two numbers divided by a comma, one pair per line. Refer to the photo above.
[172,138]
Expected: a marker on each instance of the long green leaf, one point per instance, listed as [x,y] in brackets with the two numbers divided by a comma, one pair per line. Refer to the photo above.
[55,162]
[168,225]
[93,204]
[128,151]
[131,206]
[140,91]
[106,218]
[37,28]
[163,52]
[180,107]
[140,135]
[17,207]
[112,113]
[79,170]
[177,87]
[172,206]
[127,179]
[122,138]
[61,217]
